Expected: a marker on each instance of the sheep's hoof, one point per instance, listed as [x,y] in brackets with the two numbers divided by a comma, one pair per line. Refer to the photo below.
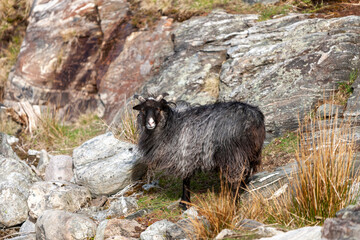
[183,206]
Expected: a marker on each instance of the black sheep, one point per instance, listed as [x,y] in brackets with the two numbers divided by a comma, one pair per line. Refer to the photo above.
[225,135]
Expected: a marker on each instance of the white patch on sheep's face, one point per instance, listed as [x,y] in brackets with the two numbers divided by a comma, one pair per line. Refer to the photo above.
[150,124]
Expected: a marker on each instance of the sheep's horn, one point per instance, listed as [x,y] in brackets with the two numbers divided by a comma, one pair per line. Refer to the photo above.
[140,98]
[161,96]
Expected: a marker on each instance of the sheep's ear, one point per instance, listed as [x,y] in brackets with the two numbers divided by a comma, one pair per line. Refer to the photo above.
[137,107]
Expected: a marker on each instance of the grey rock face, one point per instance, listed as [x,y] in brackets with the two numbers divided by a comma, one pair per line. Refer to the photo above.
[330,110]
[59,169]
[56,195]
[58,224]
[286,65]
[282,65]
[106,165]
[16,178]
[192,73]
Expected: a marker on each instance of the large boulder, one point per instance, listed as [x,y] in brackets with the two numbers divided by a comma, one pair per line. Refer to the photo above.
[287,65]
[59,224]
[56,195]
[163,229]
[79,55]
[106,165]
[284,65]
[16,177]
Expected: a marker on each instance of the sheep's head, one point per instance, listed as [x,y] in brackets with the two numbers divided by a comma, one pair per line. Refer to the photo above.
[153,112]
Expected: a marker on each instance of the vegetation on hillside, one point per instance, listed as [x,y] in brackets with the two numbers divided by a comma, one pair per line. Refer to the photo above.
[13,22]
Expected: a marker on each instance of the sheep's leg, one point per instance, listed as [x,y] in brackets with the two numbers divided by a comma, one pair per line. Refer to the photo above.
[185,198]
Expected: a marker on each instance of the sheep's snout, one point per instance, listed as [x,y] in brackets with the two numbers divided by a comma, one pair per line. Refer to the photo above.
[150,123]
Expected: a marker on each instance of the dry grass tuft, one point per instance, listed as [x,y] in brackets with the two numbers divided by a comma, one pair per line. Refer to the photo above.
[59,137]
[220,211]
[326,175]
[126,130]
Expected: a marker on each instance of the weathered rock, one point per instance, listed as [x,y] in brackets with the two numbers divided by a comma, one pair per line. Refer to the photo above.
[271,184]
[78,52]
[353,103]
[139,58]
[101,230]
[106,165]
[15,180]
[44,160]
[129,229]
[346,225]
[258,228]
[27,227]
[286,65]
[192,73]
[163,229]
[57,57]
[118,208]
[330,110]
[59,224]
[59,169]
[56,195]
[306,233]
[5,146]
[225,233]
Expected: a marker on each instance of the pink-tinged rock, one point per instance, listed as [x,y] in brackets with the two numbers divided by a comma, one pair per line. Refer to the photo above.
[142,54]
[63,43]
[75,51]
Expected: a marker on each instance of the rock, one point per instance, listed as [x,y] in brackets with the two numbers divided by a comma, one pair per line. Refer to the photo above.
[138,214]
[27,227]
[305,233]
[16,177]
[192,73]
[129,229]
[149,186]
[272,184]
[190,213]
[56,195]
[44,160]
[163,229]
[346,225]
[286,65]
[59,169]
[101,230]
[141,56]
[59,224]
[5,147]
[260,228]
[106,165]
[330,110]
[118,208]
[225,233]
[122,206]
[60,48]
[353,103]
[261,1]
[79,54]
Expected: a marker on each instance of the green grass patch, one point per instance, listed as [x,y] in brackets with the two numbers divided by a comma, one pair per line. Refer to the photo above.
[59,137]
[273,10]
